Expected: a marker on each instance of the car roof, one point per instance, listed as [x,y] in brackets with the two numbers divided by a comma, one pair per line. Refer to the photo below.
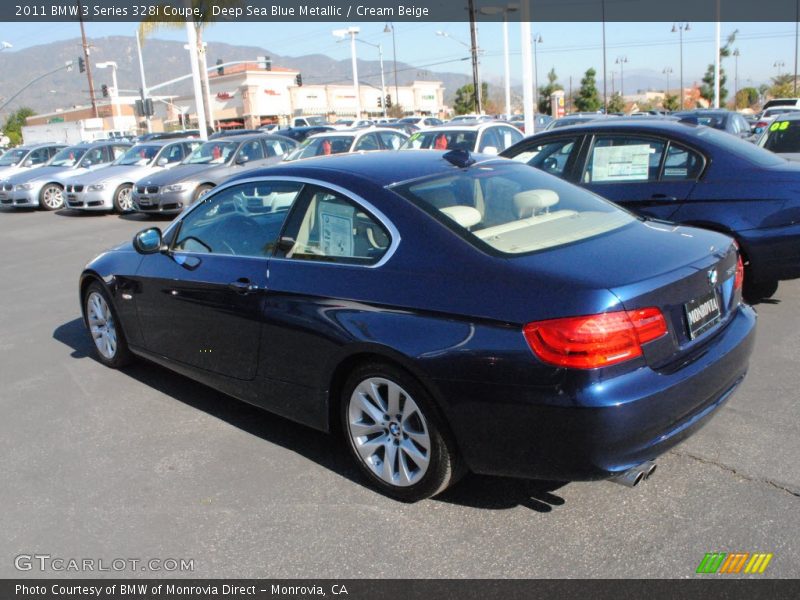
[354,132]
[467,126]
[39,145]
[247,137]
[655,125]
[382,168]
[164,142]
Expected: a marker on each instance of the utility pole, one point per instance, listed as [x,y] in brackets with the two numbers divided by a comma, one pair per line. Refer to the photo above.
[476,80]
[86,59]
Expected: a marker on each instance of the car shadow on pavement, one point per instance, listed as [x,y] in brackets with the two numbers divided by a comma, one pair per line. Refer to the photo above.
[475,491]
[147,218]
[81,214]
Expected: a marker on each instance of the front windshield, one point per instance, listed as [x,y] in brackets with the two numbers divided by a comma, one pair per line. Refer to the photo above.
[67,157]
[138,155]
[322,146]
[442,140]
[512,209]
[211,153]
[12,157]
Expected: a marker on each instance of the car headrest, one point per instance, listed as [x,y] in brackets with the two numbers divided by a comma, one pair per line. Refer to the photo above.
[529,202]
[466,216]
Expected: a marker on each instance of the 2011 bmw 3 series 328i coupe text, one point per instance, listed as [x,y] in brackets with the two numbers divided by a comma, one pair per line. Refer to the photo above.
[443,312]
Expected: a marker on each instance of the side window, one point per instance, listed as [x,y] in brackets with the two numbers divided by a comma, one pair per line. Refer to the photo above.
[390,140]
[117,151]
[242,220]
[367,142]
[38,157]
[551,157]
[252,150]
[96,156]
[489,139]
[623,159]
[276,148]
[188,148]
[334,229]
[174,153]
[681,164]
[508,137]
[52,151]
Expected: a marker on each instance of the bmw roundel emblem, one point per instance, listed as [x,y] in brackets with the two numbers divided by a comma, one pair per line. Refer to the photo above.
[712,277]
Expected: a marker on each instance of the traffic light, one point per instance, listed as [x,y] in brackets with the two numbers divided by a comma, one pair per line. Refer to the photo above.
[81,65]
[298,80]
[220,70]
[388,101]
[104,90]
[380,103]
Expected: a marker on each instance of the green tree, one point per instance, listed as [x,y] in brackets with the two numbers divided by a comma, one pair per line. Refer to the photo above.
[465,101]
[707,89]
[782,86]
[14,123]
[204,8]
[671,102]
[547,90]
[616,103]
[746,97]
[588,98]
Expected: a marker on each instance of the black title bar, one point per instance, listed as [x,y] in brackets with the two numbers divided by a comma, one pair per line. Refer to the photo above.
[400,10]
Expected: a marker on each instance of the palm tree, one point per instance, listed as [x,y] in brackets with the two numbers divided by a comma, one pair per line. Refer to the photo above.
[204,7]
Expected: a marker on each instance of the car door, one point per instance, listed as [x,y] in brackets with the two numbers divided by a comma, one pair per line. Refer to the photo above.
[648,175]
[201,303]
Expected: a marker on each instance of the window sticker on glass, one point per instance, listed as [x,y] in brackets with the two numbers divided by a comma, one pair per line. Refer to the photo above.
[675,172]
[337,229]
[621,163]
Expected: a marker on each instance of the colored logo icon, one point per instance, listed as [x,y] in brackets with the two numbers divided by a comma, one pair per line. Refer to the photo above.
[734,562]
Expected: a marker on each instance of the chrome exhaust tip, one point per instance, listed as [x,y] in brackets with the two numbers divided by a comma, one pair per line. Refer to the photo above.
[635,475]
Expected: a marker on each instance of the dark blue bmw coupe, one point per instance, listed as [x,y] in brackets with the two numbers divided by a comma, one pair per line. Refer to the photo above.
[688,174]
[443,312]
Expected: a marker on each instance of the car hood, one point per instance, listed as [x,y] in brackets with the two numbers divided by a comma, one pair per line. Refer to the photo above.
[114,173]
[181,173]
[42,173]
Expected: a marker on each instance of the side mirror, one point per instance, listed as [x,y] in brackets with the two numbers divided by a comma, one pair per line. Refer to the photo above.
[242,159]
[28,163]
[148,241]
[87,163]
[162,162]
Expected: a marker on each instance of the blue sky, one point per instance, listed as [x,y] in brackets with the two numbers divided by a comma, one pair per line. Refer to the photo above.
[569,47]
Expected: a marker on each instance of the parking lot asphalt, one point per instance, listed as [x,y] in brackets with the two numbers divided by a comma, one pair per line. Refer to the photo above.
[143,463]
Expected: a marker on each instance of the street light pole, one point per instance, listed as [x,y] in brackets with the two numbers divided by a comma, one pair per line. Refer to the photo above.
[390,28]
[621,60]
[735,76]
[383,78]
[476,76]
[537,39]
[352,32]
[142,79]
[680,28]
[110,64]
[667,71]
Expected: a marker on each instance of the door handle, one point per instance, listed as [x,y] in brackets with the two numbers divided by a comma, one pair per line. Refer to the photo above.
[663,197]
[243,286]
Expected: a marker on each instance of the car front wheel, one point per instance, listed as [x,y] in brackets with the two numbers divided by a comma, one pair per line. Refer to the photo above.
[51,197]
[395,435]
[103,325]
[123,198]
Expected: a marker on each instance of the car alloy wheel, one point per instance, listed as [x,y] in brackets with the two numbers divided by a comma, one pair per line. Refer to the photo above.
[101,325]
[123,199]
[389,432]
[52,197]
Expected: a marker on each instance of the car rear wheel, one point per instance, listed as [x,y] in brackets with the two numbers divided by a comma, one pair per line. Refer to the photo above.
[395,435]
[123,198]
[758,290]
[201,191]
[51,197]
[103,325]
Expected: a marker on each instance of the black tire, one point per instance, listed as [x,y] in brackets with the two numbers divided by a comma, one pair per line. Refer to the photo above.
[444,465]
[122,355]
[123,201]
[201,191]
[49,191]
[753,291]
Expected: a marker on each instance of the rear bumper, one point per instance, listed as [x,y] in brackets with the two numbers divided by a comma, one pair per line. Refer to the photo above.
[774,253]
[600,428]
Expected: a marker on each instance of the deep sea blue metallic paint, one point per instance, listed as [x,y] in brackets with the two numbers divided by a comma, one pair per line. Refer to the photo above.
[452,316]
[758,204]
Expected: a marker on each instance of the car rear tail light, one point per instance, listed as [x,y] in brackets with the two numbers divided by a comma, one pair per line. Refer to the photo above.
[761,124]
[596,340]
[739,278]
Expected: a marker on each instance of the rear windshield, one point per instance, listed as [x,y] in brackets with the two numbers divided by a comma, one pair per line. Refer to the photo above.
[442,140]
[512,209]
[741,148]
[322,146]
[782,136]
